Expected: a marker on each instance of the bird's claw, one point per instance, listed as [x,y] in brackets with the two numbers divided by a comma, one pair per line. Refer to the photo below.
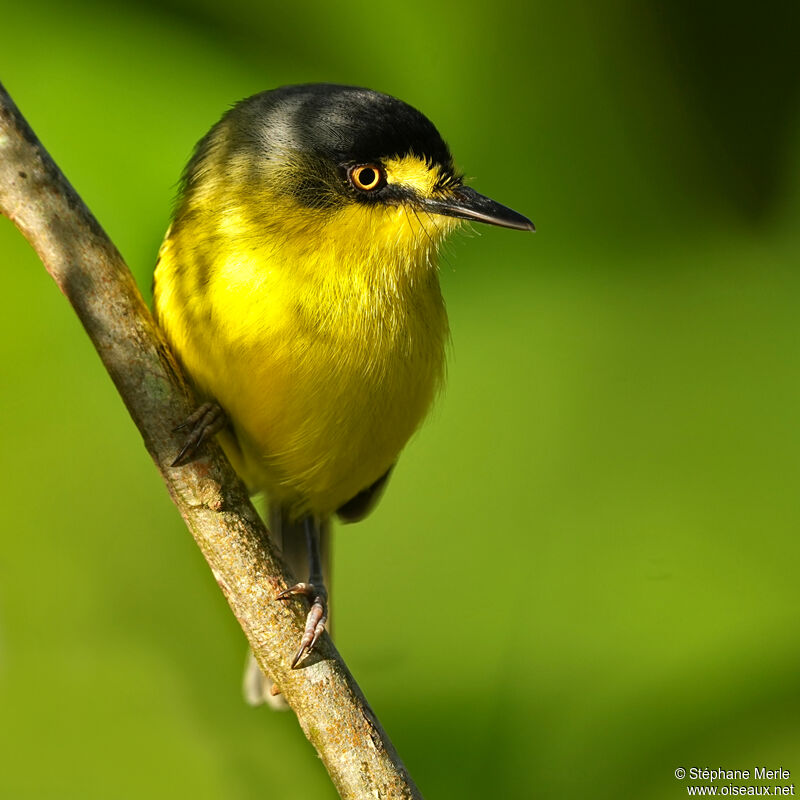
[208,420]
[317,616]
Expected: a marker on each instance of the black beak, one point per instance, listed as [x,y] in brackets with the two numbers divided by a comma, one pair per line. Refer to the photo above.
[466,203]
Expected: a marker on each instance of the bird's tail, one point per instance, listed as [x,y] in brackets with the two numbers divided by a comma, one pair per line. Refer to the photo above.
[290,537]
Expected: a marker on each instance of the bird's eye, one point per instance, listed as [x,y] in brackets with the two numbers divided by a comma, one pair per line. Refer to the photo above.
[366,177]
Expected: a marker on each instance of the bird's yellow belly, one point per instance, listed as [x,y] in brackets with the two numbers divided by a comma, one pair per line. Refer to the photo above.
[317,433]
[321,404]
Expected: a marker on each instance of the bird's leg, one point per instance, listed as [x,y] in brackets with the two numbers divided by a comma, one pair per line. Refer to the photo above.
[204,423]
[315,590]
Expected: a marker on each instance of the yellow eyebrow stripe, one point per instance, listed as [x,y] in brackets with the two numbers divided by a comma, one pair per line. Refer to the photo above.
[414,173]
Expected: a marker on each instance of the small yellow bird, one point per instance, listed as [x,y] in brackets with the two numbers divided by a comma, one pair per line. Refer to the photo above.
[298,287]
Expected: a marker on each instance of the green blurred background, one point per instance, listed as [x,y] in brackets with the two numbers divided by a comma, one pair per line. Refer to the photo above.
[585,572]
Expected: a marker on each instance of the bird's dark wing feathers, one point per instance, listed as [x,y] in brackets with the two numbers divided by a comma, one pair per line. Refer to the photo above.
[359,506]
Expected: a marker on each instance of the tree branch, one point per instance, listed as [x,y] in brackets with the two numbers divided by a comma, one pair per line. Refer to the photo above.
[335,716]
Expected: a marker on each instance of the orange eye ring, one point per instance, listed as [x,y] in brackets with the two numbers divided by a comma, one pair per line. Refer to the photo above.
[366,177]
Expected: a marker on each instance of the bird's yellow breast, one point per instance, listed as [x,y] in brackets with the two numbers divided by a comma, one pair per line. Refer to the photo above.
[322,338]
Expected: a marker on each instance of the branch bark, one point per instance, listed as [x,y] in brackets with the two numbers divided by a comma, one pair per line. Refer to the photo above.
[332,711]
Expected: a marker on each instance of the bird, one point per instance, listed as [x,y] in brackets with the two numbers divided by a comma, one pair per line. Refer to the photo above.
[297,286]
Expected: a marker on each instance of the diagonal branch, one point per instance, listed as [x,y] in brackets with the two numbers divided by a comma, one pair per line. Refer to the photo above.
[335,716]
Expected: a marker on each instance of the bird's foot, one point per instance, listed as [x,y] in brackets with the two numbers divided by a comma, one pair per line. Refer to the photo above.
[204,423]
[317,616]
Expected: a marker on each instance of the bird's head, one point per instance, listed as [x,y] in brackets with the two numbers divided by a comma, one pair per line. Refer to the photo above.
[349,173]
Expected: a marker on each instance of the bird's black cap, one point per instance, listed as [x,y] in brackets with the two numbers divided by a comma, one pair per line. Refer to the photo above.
[345,124]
